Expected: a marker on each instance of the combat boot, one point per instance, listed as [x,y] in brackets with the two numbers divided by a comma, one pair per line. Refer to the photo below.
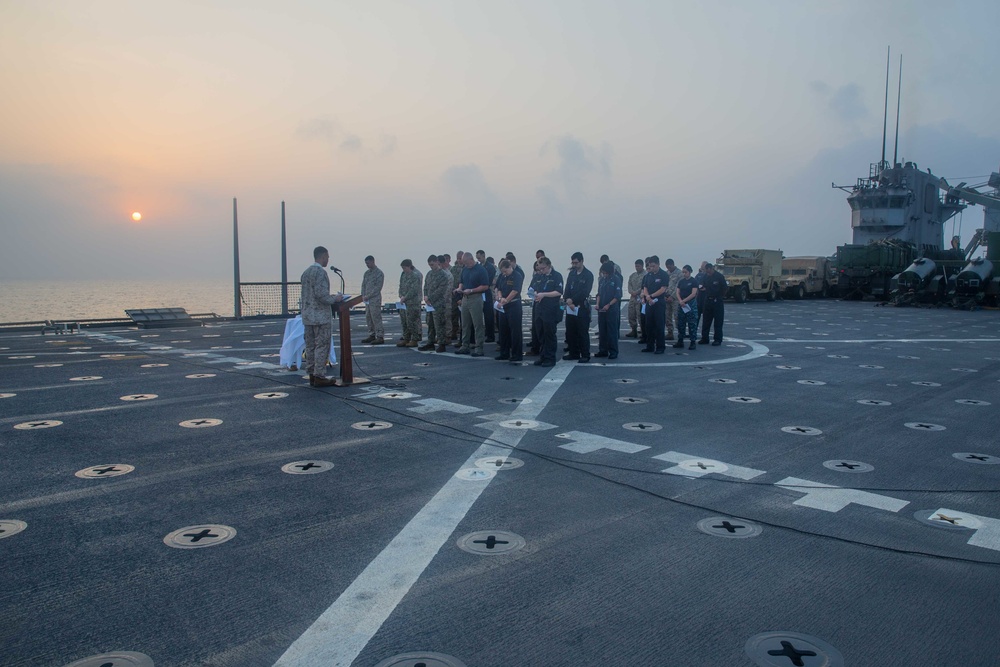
[401,343]
[378,341]
[632,334]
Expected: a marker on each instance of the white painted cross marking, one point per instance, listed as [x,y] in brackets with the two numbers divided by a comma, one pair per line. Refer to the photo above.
[691,466]
[428,405]
[586,443]
[833,498]
[987,529]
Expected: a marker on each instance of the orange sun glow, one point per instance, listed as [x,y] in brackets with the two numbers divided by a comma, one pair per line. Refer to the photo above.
[137,216]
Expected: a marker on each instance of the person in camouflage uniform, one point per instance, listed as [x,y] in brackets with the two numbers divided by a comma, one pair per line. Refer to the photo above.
[437,293]
[456,300]
[410,281]
[675,276]
[635,303]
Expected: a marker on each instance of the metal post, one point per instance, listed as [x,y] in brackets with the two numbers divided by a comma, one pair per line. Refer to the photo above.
[284,266]
[237,307]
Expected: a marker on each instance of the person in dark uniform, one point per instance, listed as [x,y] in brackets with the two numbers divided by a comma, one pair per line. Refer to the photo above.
[579,284]
[536,323]
[700,279]
[547,295]
[654,291]
[687,308]
[714,286]
[609,311]
[508,297]
[491,273]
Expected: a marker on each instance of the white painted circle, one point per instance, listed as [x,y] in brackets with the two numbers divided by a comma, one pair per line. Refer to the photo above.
[907,356]
[197,537]
[924,426]
[371,426]
[801,430]
[395,395]
[978,458]
[497,463]
[47,365]
[971,401]
[838,356]
[86,378]
[722,381]
[103,471]
[10,527]
[270,395]
[924,383]
[153,365]
[112,356]
[965,370]
[310,467]
[843,465]
[221,347]
[871,366]
[197,376]
[873,401]
[789,368]
[631,400]
[811,383]
[743,399]
[139,397]
[516,401]
[38,424]
[200,423]
[643,427]
[475,474]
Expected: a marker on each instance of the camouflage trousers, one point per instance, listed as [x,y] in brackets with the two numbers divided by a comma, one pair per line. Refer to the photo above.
[689,320]
[437,326]
[410,318]
[317,348]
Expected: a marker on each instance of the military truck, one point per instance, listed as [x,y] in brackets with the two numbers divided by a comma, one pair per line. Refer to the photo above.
[751,273]
[802,276]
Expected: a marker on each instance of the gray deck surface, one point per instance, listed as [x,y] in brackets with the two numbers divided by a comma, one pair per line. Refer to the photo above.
[614,570]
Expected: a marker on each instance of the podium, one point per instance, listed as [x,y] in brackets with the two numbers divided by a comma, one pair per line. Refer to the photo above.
[347,378]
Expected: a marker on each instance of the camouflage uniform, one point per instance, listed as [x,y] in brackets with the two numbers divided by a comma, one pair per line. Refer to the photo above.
[409,289]
[437,290]
[455,304]
[634,305]
[317,317]
[371,292]
[671,295]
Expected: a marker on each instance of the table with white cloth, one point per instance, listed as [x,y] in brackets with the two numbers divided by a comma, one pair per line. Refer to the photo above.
[294,344]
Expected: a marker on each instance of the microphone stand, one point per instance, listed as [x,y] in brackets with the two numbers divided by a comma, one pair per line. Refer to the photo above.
[342,287]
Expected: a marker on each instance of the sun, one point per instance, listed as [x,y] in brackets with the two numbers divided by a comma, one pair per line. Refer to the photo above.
[136,217]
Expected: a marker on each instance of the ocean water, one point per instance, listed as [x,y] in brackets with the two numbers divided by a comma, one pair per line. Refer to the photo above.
[33,300]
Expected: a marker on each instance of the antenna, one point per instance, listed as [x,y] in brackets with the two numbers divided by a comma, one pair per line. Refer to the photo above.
[885,113]
[898,91]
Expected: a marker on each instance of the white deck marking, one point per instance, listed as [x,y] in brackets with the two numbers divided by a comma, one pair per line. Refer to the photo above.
[987,529]
[692,466]
[341,632]
[585,443]
[429,405]
[833,498]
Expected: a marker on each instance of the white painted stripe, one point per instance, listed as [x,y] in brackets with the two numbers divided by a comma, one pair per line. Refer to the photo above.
[339,635]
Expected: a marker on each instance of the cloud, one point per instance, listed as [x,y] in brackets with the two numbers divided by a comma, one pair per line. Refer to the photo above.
[322,129]
[467,185]
[351,143]
[847,105]
[325,130]
[844,103]
[579,166]
[387,145]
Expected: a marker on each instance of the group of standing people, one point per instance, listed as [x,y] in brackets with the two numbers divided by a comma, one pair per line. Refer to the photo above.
[474,301]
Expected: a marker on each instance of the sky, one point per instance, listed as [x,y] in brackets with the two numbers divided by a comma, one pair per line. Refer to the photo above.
[405,128]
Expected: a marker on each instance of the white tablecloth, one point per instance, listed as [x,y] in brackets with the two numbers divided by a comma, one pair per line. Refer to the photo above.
[294,344]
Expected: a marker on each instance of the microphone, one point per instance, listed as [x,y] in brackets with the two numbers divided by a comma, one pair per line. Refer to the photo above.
[335,269]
